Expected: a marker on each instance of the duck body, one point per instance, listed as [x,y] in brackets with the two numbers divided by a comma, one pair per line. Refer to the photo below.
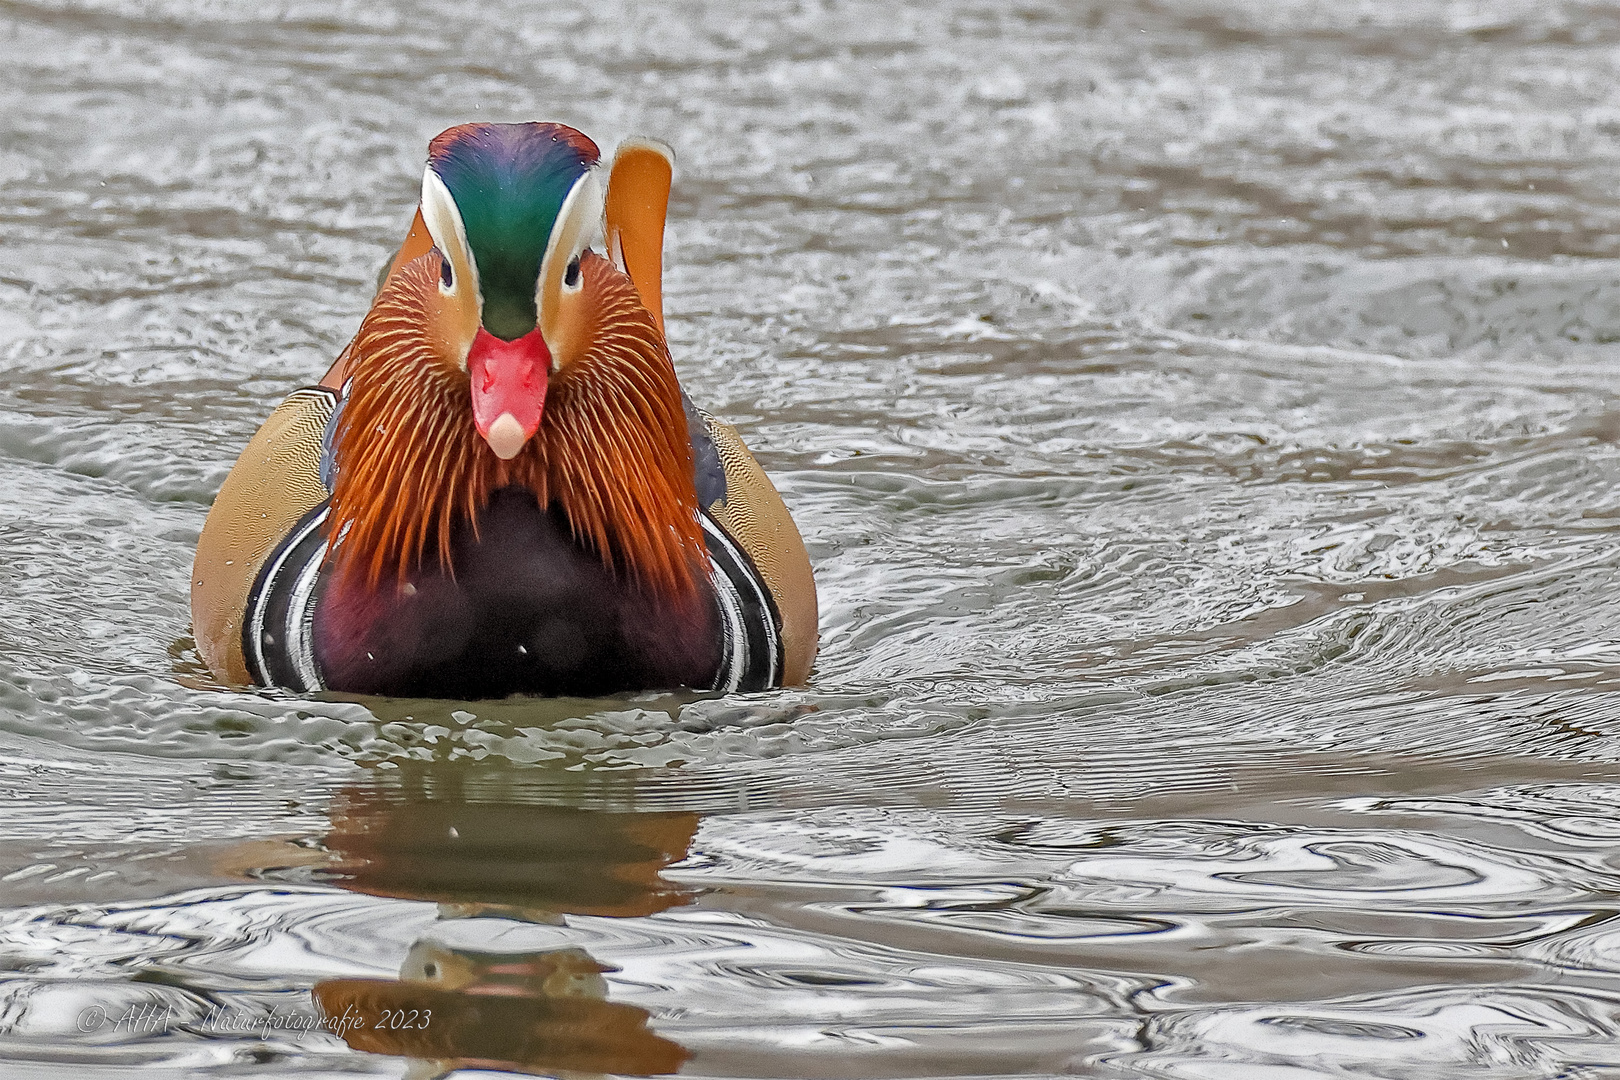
[523,609]
[500,487]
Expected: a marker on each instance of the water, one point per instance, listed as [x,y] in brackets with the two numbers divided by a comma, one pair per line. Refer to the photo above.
[1201,418]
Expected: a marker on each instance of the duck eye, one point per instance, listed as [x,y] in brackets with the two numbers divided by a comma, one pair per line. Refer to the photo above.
[571,275]
[446,277]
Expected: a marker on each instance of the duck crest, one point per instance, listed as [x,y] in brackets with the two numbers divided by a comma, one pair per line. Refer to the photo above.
[509,182]
[612,452]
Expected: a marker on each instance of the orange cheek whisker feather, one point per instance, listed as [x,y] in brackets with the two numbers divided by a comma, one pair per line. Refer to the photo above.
[612,450]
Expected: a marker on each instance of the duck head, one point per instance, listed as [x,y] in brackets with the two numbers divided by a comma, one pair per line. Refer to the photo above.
[502,351]
[511,210]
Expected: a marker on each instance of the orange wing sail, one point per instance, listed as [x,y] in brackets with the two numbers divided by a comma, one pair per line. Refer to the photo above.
[637,204]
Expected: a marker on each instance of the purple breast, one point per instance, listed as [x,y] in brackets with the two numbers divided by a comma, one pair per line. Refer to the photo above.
[525,611]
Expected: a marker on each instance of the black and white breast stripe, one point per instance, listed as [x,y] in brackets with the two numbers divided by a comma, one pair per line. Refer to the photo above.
[278,638]
[278,634]
[751,629]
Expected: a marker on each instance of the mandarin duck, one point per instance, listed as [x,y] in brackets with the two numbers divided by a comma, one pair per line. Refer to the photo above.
[500,486]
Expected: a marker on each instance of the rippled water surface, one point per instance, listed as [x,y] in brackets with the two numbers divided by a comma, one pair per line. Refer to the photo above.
[1201,415]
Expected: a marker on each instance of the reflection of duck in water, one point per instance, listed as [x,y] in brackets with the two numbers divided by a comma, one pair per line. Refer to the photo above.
[499,858]
[540,1012]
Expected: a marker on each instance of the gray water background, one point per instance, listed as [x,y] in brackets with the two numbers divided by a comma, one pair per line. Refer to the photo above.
[1201,417]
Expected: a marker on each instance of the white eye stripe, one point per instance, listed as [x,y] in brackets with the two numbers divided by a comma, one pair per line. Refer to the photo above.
[444,225]
[579,221]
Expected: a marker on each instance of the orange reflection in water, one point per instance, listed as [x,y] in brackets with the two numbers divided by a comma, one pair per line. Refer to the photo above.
[537,1012]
